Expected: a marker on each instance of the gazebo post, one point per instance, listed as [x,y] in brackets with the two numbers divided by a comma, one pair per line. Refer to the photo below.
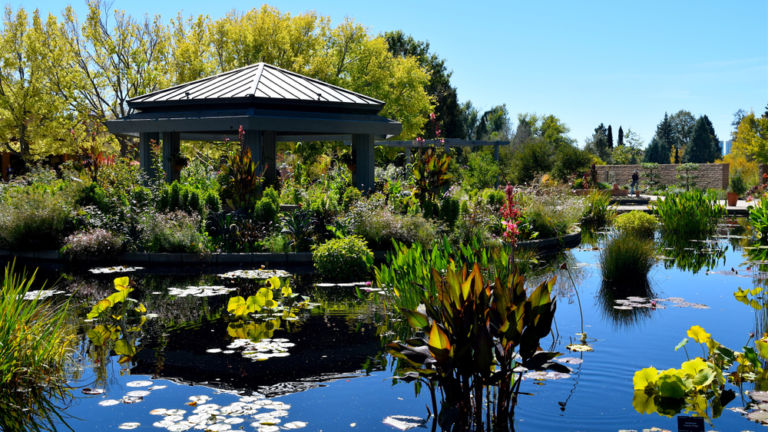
[171,151]
[263,147]
[362,147]
[145,152]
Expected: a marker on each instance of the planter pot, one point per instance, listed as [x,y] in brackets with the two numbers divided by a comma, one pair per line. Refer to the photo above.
[733,197]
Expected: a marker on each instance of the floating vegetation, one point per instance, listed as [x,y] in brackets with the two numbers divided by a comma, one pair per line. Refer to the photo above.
[579,347]
[569,360]
[143,383]
[200,291]
[255,274]
[109,402]
[634,302]
[41,294]
[93,391]
[129,425]
[116,269]
[263,349]
[546,375]
[404,423]
[261,412]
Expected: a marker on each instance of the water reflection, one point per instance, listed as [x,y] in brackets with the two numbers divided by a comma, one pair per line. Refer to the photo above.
[611,298]
[691,255]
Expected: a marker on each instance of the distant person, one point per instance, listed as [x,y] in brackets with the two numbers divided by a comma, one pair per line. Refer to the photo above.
[633,187]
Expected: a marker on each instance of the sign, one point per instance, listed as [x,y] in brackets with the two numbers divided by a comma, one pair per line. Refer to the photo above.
[690,424]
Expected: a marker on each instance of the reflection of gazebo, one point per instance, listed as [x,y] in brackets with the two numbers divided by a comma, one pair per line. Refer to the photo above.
[271,104]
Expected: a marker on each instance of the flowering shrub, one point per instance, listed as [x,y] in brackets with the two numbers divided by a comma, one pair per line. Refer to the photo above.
[96,242]
[510,216]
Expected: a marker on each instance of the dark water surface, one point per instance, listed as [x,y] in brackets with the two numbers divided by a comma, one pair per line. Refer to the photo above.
[336,377]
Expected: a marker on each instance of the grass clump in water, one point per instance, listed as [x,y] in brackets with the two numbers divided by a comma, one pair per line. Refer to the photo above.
[626,259]
[637,223]
[35,351]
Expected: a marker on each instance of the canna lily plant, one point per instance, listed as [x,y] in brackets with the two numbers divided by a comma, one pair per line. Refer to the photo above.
[476,333]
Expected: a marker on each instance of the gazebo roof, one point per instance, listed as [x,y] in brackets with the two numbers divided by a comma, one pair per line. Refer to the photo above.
[259,84]
[257,97]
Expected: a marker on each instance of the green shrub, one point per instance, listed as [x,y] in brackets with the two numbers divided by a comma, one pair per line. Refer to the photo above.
[570,160]
[482,170]
[213,202]
[493,197]
[378,225]
[36,216]
[688,215]
[738,185]
[636,222]
[598,211]
[351,196]
[551,212]
[758,219]
[277,243]
[268,207]
[173,232]
[449,210]
[346,258]
[626,259]
[36,352]
[93,243]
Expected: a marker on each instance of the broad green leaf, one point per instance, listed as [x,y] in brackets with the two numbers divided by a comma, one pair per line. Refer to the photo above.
[252,304]
[274,282]
[237,306]
[681,344]
[698,334]
[123,348]
[438,339]
[704,377]
[693,367]
[671,385]
[417,320]
[645,377]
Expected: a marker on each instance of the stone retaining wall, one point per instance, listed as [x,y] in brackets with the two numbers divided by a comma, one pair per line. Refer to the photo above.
[713,176]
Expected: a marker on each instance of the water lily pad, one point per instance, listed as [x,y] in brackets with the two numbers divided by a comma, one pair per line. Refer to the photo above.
[213,350]
[759,396]
[138,393]
[200,291]
[115,269]
[579,347]
[569,360]
[403,423]
[157,387]
[93,391]
[262,428]
[255,274]
[131,399]
[139,384]
[295,425]
[129,425]
[109,402]
[41,294]
[759,416]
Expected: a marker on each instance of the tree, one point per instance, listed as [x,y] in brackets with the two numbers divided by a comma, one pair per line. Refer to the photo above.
[660,149]
[447,109]
[621,137]
[682,123]
[598,143]
[629,153]
[610,137]
[751,138]
[468,116]
[494,124]
[703,146]
[32,118]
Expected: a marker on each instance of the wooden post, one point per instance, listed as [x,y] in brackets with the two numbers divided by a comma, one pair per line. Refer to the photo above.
[362,147]
[171,153]
[407,155]
[496,152]
[269,156]
[5,164]
[145,153]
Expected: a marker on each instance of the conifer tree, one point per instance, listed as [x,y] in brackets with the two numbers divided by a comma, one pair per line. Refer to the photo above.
[610,137]
[620,142]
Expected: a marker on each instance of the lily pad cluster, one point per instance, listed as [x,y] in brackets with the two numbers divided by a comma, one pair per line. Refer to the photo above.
[635,302]
[200,291]
[115,269]
[255,274]
[265,301]
[698,386]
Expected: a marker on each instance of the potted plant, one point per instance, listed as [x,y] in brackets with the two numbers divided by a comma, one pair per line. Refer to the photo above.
[737,188]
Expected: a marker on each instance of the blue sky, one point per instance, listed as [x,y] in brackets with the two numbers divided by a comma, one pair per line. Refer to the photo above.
[616,62]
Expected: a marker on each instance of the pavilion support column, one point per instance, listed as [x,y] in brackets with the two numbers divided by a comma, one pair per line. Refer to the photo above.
[362,148]
[145,153]
[407,155]
[263,146]
[171,154]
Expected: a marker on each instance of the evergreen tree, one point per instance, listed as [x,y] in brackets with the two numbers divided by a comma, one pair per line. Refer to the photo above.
[655,152]
[610,137]
[717,149]
[701,149]
[664,139]
[621,137]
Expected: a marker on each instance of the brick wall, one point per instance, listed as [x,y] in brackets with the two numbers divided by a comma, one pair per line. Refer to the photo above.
[713,176]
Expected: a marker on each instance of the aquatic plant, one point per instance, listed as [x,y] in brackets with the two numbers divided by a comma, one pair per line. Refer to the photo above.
[758,220]
[117,321]
[343,259]
[699,384]
[598,211]
[688,215]
[626,259]
[36,348]
[636,222]
[471,335]
[276,296]
[690,255]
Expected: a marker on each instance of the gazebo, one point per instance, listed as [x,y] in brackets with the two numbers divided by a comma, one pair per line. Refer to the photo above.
[271,104]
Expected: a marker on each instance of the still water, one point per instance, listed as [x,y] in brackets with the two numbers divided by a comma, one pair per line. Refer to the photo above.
[330,372]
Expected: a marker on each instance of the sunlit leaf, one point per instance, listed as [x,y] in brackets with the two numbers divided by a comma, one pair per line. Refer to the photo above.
[274,282]
[237,306]
[438,339]
[643,402]
[645,377]
[698,334]
[762,347]
[671,385]
[693,367]
[681,344]
[122,347]
[121,283]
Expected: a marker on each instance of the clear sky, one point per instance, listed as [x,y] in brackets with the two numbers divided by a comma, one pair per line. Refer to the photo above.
[616,62]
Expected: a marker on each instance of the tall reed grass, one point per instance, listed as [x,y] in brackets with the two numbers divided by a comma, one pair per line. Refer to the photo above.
[689,215]
[626,260]
[35,352]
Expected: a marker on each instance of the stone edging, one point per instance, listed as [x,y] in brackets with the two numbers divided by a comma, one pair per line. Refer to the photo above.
[553,244]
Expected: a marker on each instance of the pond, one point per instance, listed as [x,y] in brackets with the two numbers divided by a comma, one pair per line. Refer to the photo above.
[326,369]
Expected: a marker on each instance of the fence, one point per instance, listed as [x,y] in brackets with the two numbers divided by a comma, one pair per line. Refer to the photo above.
[713,176]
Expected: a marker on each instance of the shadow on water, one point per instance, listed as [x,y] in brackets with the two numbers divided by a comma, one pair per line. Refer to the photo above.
[626,304]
